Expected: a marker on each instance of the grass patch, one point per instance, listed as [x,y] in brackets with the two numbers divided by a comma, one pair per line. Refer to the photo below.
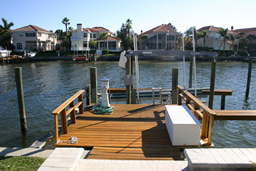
[110,54]
[20,163]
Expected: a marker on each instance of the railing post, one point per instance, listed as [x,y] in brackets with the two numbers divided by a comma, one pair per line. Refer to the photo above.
[64,123]
[175,85]
[81,107]
[88,102]
[210,129]
[205,125]
[56,128]
[73,112]
[196,107]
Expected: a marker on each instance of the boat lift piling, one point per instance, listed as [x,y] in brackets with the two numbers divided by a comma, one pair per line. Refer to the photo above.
[22,112]
[248,77]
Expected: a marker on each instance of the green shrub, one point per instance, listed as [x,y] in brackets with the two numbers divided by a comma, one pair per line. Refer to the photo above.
[105,51]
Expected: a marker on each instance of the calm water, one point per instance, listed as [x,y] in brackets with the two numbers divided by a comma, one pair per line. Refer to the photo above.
[48,84]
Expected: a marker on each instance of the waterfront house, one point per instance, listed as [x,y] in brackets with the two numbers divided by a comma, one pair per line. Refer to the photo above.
[33,38]
[160,37]
[246,32]
[214,39]
[81,38]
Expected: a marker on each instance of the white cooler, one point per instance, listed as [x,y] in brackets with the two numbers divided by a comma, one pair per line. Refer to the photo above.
[182,126]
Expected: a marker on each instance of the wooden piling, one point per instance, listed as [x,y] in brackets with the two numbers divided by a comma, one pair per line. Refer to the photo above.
[212,83]
[128,87]
[175,85]
[248,78]
[190,72]
[93,77]
[22,113]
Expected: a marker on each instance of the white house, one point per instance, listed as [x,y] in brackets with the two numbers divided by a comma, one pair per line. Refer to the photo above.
[32,37]
[81,37]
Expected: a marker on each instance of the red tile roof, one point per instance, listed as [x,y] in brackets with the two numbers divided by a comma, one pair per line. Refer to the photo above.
[32,28]
[209,28]
[97,29]
[110,38]
[245,29]
[162,28]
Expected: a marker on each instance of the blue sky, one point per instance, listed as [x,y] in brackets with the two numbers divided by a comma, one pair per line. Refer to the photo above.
[145,14]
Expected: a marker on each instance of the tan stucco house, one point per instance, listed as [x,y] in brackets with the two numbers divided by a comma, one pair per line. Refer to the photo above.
[33,38]
[81,37]
[160,37]
[214,39]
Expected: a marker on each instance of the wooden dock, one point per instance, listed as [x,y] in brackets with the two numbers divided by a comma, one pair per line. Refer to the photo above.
[135,131]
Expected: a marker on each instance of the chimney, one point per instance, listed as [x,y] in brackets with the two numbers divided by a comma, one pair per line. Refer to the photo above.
[232,28]
[141,31]
[79,27]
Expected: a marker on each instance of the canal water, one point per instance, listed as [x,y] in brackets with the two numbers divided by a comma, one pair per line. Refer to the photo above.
[48,84]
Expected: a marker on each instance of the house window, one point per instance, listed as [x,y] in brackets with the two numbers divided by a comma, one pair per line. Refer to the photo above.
[39,34]
[19,46]
[85,34]
[90,35]
[21,34]
[171,37]
[112,45]
[94,36]
[85,44]
[30,34]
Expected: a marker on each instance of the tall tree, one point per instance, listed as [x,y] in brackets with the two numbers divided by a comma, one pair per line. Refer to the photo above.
[66,22]
[128,26]
[103,35]
[223,33]
[170,24]
[202,34]
[232,37]
[124,33]
[250,37]
[5,34]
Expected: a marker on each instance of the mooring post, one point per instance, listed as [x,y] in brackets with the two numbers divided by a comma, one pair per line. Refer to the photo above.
[212,83]
[175,76]
[19,85]
[128,87]
[249,78]
[93,77]
[190,72]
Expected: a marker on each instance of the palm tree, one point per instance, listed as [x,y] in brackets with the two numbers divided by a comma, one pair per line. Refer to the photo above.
[250,37]
[5,34]
[170,24]
[103,35]
[128,26]
[66,22]
[223,33]
[232,37]
[203,34]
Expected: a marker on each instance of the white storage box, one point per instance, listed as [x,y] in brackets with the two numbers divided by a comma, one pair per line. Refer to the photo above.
[182,126]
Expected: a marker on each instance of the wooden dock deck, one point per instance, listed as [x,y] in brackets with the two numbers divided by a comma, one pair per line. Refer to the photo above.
[133,131]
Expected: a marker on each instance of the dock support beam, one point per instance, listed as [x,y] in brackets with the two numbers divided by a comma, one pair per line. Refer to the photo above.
[175,75]
[129,87]
[93,75]
[22,113]
[249,78]
[212,84]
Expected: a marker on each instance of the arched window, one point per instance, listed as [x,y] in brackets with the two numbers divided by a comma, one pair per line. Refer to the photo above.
[19,46]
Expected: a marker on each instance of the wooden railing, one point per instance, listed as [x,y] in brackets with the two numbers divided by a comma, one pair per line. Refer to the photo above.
[201,111]
[64,112]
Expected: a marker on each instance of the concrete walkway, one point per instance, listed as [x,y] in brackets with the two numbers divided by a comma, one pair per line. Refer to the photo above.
[32,152]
